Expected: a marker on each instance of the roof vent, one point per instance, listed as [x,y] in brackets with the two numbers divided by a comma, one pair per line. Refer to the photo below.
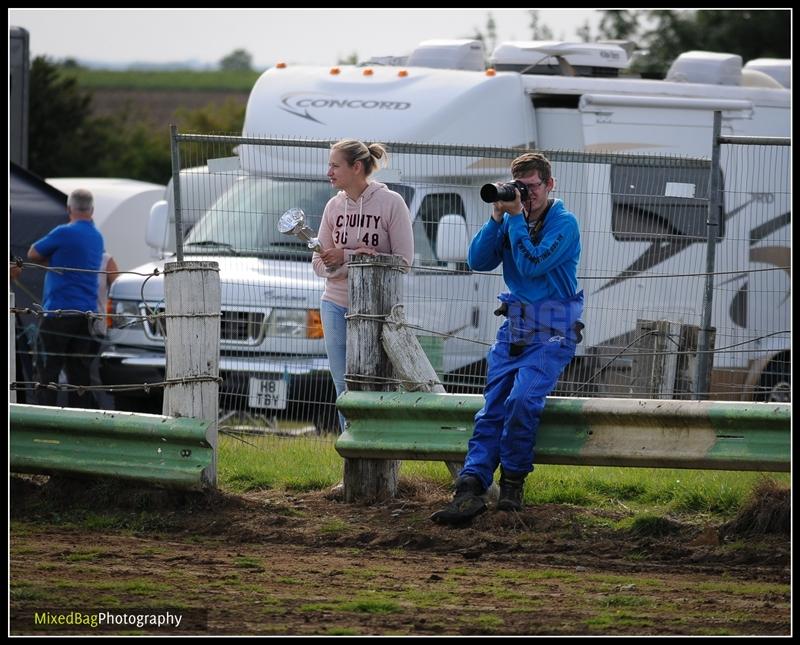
[778,68]
[560,58]
[449,54]
[710,68]
[387,61]
[755,78]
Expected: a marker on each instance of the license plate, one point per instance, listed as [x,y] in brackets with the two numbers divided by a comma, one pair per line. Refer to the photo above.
[267,393]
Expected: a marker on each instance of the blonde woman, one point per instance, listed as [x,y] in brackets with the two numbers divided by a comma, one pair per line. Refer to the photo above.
[364,217]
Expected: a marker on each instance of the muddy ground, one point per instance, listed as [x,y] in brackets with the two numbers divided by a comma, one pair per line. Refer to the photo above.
[272,562]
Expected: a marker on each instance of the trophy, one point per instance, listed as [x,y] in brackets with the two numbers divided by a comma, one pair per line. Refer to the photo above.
[292,222]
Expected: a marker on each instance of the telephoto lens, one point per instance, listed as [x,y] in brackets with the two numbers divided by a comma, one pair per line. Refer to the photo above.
[491,193]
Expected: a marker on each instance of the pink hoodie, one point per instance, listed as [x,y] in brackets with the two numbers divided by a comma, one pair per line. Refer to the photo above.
[379,220]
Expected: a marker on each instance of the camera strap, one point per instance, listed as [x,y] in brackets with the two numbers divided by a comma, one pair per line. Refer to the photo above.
[533,229]
[536,228]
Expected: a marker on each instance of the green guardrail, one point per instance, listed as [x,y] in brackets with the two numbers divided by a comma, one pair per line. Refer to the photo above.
[163,451]
[654,433]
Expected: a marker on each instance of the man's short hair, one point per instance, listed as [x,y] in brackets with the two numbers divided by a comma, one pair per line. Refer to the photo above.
[81,200]
[526,163]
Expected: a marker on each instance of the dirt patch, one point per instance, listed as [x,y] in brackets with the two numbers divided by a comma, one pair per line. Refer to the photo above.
[768,510]
[282,563]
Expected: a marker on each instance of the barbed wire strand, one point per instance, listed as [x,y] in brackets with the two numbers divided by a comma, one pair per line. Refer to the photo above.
[405,268]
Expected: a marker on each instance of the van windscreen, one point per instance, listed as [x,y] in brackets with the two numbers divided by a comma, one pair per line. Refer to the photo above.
[244,220]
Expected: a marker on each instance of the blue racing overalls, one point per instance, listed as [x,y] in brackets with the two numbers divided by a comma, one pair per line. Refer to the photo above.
[534,344]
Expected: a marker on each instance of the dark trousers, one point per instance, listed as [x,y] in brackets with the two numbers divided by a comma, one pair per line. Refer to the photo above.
[65,343]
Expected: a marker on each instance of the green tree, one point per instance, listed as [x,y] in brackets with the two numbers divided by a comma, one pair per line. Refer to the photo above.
[134,149]
[539,32]
[584,32]
[237,60]
[62,138]
[619,24]
[227,118]
[352,59]
[70,63]
[748,33]
[491,33]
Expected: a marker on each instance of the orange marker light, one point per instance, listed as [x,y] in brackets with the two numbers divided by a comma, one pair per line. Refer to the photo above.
[402,73]
[109,310]
[314,324]
[280,65]
[335,70]
[368,72]
[490,72]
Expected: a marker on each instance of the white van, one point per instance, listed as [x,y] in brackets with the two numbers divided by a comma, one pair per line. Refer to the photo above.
[270,296]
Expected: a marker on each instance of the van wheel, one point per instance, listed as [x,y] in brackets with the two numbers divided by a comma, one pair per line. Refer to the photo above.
[775,385]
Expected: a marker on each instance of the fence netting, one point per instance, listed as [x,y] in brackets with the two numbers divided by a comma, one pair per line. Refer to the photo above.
[644,227]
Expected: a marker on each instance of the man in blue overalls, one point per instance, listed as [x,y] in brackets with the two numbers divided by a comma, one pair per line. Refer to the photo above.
[538,242]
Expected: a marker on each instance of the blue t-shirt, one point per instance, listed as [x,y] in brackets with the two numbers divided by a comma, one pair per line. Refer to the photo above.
[78,245]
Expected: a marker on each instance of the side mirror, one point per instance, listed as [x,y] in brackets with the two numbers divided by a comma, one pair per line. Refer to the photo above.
[158,226]
[451,239]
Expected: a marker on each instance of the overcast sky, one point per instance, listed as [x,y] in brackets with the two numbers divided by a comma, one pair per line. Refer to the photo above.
[312,36]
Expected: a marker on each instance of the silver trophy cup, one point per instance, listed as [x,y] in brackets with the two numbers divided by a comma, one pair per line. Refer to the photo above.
[292,222]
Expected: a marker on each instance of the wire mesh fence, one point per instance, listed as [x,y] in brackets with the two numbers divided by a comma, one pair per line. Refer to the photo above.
[752,283]
[643,223]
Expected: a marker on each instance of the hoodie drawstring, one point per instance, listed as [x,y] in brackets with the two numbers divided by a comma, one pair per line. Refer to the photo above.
[360,213]
[360,216]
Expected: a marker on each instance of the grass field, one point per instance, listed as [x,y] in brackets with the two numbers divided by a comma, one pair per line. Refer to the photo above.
[595,551]
[311,463]
[181,80]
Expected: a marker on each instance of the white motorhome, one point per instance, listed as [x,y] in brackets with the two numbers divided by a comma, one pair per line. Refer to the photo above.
[544,95]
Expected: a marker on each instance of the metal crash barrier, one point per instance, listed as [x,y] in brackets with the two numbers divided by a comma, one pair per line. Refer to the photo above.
[163,451]
[649,433]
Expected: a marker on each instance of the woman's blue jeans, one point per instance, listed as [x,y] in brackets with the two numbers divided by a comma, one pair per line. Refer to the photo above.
[334,326]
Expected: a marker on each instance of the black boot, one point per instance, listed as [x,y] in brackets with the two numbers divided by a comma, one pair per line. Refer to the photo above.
[467,502]
[511,485]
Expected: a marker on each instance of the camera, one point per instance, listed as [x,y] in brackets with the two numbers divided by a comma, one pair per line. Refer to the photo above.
[504,192]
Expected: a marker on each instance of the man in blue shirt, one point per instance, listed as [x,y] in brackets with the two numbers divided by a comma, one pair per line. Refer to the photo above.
[538,243]
[65,338]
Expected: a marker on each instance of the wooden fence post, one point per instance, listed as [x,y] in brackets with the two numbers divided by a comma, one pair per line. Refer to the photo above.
[412,364]
[192,302]
[374,286]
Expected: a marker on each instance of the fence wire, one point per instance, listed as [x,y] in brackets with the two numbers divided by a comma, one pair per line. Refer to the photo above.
[643,222]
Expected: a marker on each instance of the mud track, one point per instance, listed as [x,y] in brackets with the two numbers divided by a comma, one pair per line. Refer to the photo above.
[272,562]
